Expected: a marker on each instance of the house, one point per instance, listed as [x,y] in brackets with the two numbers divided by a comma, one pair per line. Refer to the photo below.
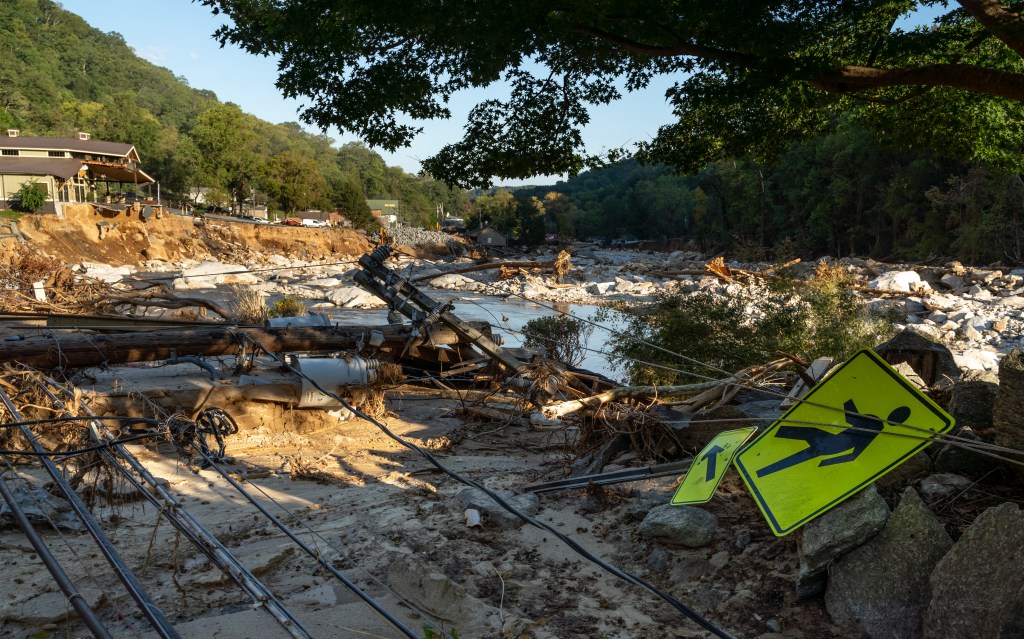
[70,169]
[488,236]
[385,210]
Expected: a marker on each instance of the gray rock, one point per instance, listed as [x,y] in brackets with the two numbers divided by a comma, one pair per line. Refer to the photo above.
[957,459]
[1008,414]
[943,485]
[952,281]
[494,514]
[973,399]
[685,525]
[599,288]
[978,587]
[835,533]
[882,587]
[903,281]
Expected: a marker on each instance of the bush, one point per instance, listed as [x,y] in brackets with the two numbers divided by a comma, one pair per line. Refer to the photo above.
[29,198]
[719,334]
[247,305]
[287,306]
[559,337]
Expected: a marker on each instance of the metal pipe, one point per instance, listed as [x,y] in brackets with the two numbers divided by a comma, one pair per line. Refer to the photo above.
[183,520]
[149,609]
[75,598]
[201,363]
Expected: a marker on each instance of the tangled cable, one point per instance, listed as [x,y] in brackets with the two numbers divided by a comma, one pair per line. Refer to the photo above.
[192,434]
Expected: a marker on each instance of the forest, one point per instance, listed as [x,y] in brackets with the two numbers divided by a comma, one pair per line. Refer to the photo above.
[844,193]
[58,76]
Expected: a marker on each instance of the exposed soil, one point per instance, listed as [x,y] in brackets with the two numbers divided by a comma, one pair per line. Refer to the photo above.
[123,237]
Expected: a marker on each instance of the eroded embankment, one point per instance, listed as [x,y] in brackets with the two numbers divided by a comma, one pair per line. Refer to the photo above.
[92,234]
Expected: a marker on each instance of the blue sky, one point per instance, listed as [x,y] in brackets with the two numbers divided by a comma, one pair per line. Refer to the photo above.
[176,34]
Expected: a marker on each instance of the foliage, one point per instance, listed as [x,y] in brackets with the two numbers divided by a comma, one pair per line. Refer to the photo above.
[749,77]
[717,335]
[246,303]
[287,306]
[559,337]
[29,198]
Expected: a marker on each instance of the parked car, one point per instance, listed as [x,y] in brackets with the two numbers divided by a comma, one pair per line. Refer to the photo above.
[292,221]
[314,223]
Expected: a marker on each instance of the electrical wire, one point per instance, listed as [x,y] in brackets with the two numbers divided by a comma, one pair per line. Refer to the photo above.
[687,611]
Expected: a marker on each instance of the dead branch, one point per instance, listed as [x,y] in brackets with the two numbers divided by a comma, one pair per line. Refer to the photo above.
[715,390]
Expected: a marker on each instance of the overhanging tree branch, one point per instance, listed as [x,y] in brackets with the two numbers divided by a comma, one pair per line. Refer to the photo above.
[993,82]
[999,20]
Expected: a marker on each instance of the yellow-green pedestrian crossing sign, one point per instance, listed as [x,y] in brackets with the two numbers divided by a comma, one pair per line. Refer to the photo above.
[858,424]
[709,467]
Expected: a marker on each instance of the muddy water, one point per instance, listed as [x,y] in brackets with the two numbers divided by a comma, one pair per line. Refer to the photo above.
[507,316]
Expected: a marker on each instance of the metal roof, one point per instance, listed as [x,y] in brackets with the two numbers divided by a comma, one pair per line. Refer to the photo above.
[63,168]
[66,144]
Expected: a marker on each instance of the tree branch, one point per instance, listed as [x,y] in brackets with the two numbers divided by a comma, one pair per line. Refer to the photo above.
[851,79]
[998,19]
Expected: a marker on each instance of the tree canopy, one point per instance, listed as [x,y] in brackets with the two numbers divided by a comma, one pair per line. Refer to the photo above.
[750,76]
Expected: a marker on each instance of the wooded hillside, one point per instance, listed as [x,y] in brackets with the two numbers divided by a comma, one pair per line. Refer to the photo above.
[58,75]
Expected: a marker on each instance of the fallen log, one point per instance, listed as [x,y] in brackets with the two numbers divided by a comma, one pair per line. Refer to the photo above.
[77,350]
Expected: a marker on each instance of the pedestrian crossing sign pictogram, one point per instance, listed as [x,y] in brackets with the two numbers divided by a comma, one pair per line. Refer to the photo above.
[709,467]
[862,421]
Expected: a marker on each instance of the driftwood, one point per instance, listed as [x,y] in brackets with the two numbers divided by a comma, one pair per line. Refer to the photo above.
[715,390]
[163,298]
[91,350]
[486,267]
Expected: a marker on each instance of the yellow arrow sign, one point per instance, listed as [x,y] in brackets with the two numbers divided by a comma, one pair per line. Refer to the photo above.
[709,467]
[861,422]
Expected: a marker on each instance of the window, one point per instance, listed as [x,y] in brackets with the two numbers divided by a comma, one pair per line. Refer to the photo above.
[10,151]
[56,154]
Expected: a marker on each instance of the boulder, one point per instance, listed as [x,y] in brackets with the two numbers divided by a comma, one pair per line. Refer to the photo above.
[903,281]
[105,272]
[973,399]
[978,587]
[882,586]
[940,485]
[492,513]
[1008,414]
[600,288]
[836,532]
[452,281]
[354,297]
[684,525]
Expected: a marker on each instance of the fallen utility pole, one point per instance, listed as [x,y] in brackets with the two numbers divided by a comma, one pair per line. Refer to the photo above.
[149,609]
[169,506]
[424,311]
[73,351]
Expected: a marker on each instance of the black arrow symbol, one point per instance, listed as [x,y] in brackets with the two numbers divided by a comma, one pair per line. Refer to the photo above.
[712,458]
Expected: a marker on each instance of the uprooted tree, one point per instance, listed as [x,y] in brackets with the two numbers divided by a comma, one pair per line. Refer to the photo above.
[749,76]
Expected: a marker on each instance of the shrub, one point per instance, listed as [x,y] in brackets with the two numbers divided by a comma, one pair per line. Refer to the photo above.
[287,306]
[715,333]
[247,305]
[29,198]
[559,337]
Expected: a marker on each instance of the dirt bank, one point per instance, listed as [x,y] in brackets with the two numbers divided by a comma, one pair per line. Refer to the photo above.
[88,234]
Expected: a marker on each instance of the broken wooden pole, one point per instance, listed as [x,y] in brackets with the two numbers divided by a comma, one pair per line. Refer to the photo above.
[77,350]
